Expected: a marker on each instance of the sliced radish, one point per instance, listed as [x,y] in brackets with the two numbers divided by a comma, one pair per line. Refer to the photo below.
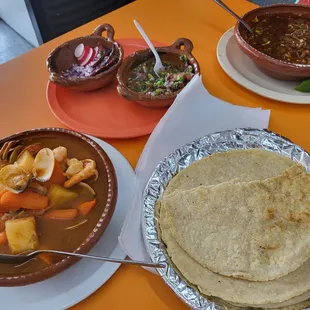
[87,50]
[82,55]
[89,57]
[79,50]
[96,49]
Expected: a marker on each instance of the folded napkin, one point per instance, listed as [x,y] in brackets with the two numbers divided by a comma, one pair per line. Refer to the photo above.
[195,113]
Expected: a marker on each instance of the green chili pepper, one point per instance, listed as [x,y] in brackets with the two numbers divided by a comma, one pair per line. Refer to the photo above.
[148,84]
[159,83]
[158,91]
[150,77]
[304,86]
[175,85]
[180,78]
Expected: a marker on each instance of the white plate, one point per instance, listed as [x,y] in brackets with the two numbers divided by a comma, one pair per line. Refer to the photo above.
[243,71]
[82,279]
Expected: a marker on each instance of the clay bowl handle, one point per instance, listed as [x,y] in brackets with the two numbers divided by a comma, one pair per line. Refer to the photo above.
[105,27]
[186,43]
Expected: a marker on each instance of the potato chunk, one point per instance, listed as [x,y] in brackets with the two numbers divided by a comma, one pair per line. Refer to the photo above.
[26,161]
[21,234]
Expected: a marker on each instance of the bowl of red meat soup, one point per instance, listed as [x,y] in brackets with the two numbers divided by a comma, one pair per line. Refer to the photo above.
[280,45]
[86,63]
[58,192]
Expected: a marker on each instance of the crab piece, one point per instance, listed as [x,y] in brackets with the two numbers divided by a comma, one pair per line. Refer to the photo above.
[74,167]
[89,170]
[60,153]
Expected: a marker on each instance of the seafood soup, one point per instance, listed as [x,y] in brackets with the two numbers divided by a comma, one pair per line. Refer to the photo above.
[48,198]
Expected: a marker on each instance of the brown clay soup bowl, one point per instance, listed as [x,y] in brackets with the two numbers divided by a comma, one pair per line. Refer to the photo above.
[62,58]
[170,54]
[52,234]
[271,66]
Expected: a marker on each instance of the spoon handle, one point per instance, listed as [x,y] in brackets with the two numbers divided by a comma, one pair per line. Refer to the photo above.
[100,258]
[225,7]
[147,40]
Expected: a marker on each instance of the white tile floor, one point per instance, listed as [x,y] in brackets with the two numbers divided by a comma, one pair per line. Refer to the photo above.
[11,43]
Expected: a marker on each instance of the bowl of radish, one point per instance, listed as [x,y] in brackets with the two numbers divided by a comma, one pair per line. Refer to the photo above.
[86,63]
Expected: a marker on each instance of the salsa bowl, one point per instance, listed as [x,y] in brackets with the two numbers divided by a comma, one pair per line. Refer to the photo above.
[59,232]
[63,58]
[170,54]
[276,68]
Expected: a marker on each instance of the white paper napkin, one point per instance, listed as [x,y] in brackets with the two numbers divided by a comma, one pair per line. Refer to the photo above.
[195,113]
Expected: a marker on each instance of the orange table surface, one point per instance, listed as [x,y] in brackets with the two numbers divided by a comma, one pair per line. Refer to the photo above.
[23,106]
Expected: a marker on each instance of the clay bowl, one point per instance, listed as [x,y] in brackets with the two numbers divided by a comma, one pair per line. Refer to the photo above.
[105,186]
[273,67]
[62,58]
[170,54]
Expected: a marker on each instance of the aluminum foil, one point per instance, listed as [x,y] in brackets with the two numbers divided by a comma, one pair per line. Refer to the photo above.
[182,158]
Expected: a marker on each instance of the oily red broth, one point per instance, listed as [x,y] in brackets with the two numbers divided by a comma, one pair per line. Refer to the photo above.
[284,37]
[52,233]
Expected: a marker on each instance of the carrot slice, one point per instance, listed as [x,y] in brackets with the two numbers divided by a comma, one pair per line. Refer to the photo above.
[63,214]
[26,200]
[47,258]
[3,238]
[2,225]
[87,206]
[2,192]
[4,209]
[57,177]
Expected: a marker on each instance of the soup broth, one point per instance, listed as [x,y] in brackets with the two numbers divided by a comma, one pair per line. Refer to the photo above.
[54,233]
[284,37]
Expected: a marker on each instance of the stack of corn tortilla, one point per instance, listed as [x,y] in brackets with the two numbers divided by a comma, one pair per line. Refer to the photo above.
[237,226]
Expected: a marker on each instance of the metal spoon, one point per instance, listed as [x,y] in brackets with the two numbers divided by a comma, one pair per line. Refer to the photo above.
[158,64]
[20,259]
[225,7]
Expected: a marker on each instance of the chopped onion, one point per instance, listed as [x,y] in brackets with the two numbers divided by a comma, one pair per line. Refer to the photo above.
[88,187]
[76,225]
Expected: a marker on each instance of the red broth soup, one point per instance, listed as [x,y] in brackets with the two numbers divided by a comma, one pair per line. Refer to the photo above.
[283,37]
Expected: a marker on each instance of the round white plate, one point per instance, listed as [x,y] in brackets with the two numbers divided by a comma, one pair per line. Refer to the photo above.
[82,279]
[243,71]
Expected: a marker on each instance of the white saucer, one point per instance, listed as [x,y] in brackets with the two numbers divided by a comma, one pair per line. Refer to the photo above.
[85,277]
[243,71]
